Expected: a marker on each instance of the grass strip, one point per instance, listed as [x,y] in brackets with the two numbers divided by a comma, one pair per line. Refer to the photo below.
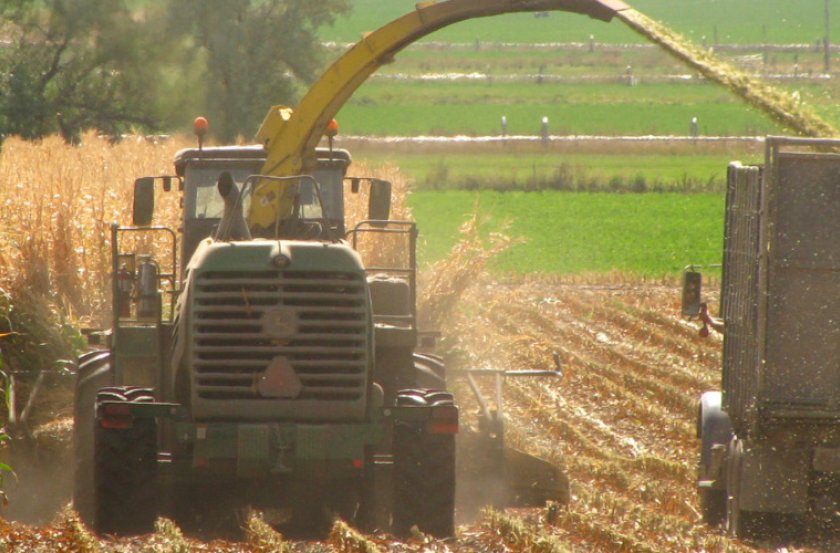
[577,232]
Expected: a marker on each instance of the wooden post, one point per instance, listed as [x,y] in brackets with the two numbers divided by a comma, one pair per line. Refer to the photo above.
[827,39]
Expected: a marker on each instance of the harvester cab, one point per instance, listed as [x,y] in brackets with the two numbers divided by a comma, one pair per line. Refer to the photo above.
[319,197]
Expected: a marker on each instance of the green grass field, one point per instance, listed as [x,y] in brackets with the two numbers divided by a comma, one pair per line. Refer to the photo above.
[737,21]
[494,168]
[475,108]
[574,232]
[571,61]
[570,232]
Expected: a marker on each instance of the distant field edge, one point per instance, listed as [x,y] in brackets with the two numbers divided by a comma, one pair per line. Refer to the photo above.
[589,46]
[448,142]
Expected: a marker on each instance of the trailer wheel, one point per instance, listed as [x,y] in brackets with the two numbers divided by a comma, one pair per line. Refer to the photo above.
[424,471]
[713,506]
[713,428]
[94,372]
[125,475]
[739,522]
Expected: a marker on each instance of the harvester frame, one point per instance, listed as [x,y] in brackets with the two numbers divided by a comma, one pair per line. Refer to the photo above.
[275,362]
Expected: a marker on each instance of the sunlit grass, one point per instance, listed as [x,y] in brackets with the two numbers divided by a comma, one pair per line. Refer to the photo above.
[572,232]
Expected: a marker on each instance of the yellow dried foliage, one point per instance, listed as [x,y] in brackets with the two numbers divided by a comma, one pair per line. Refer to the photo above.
[73,535]
[347,540]
[522,536]
[450,277]
[57,203]
[261,537]
[168,538]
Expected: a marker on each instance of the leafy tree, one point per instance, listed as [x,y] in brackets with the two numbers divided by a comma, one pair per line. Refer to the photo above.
[256,53]
[74,65]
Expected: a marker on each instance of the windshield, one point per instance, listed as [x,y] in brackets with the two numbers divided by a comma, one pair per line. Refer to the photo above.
[203,199]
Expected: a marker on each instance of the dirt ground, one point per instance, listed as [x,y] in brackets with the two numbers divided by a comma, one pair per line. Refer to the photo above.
[621,420]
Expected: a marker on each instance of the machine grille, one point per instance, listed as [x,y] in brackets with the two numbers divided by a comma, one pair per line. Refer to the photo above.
[324,339]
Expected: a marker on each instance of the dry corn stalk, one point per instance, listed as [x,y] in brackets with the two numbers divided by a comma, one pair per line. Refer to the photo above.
[261,537]
[347,540]
[451,276]
[74,534]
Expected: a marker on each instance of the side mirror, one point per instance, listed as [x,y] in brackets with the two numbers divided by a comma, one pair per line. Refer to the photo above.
[144,201]
[692,293]
[379,205]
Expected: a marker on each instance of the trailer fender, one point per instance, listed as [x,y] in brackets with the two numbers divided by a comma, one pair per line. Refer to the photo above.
[714,431]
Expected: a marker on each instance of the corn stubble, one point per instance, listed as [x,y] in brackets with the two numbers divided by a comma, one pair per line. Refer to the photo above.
[619,420]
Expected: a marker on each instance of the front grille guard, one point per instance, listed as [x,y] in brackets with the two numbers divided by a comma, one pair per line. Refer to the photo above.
[325,340]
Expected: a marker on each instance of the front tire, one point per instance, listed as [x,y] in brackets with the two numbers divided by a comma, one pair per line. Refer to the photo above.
[424,471]
[125,469]
[94,373]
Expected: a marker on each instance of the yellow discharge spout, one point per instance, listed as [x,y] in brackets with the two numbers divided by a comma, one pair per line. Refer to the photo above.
[779,105]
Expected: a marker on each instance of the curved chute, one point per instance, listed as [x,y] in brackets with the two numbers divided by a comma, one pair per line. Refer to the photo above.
[291,136]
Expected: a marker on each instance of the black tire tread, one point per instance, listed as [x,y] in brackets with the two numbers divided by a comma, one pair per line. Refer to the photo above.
[125,464]
[424,475]
[92,374]
[430,370]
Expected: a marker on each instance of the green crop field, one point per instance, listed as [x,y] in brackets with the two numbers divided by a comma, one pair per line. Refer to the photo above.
[582,93]
[573,232]
[475,108]
[495,168]
[737,21]
[574,60]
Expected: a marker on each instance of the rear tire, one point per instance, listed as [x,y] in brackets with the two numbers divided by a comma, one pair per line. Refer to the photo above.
[125,470]
[424,471]
[429,371]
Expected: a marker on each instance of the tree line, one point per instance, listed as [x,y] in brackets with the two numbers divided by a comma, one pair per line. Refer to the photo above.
[117,66]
